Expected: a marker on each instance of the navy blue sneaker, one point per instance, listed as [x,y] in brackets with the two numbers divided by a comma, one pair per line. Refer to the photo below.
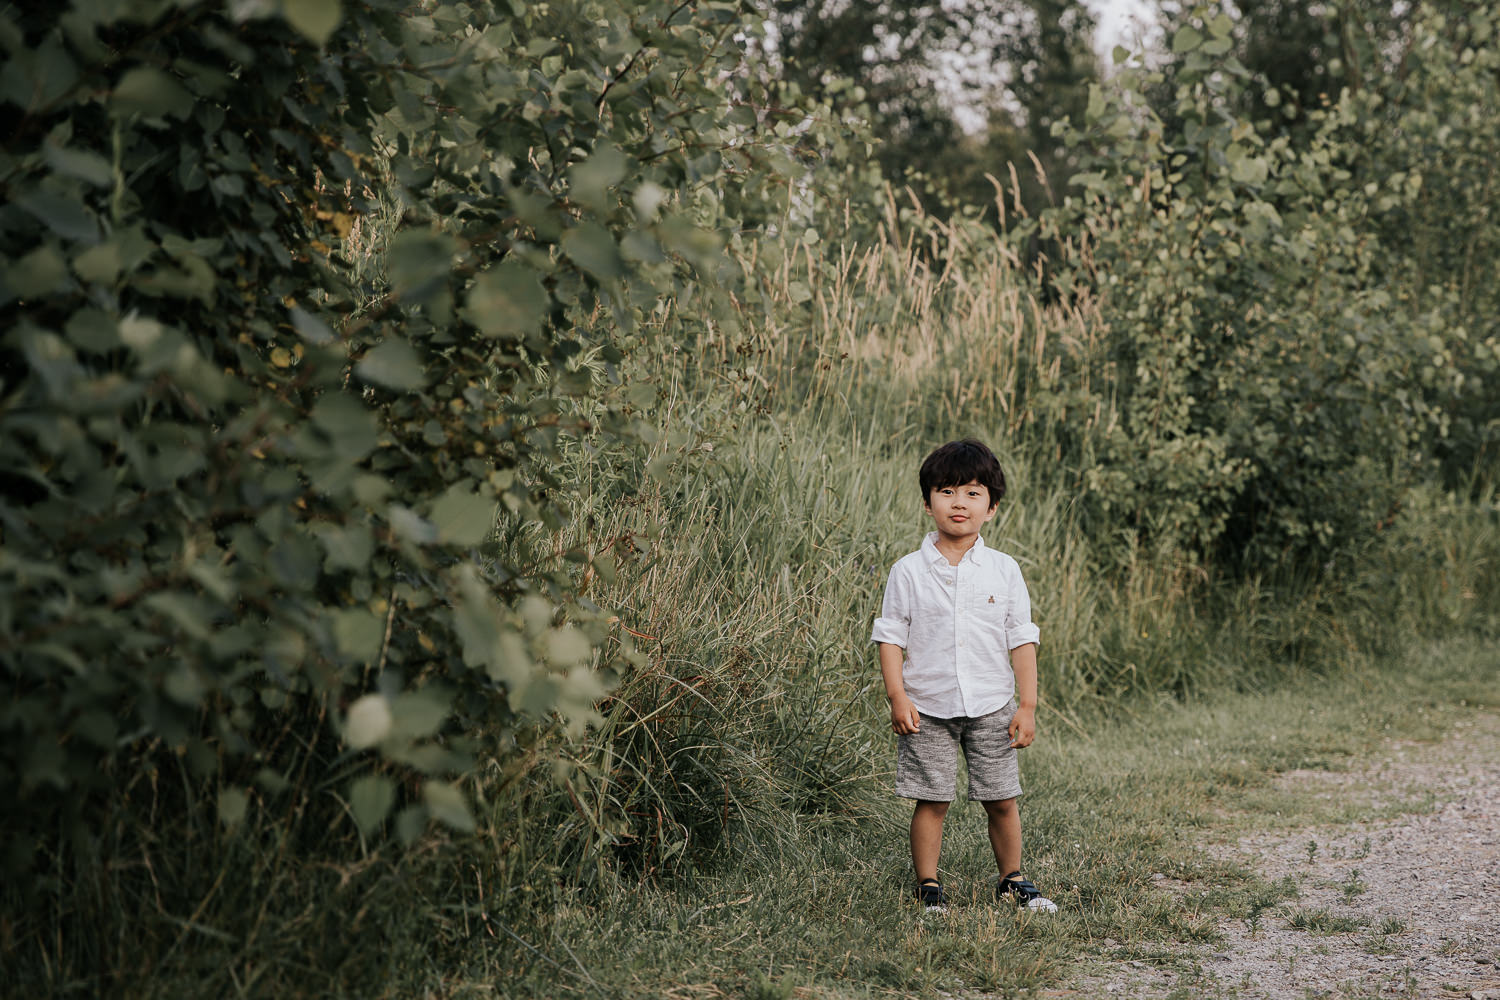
[1021,891]
[931,895]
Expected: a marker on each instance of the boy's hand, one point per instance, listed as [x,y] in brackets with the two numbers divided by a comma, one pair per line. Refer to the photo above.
[1023,728]
[905,718]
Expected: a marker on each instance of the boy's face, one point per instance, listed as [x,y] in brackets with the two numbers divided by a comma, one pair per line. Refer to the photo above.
[959,512]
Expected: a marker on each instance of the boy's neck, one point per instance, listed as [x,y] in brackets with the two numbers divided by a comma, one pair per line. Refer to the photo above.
[953,549]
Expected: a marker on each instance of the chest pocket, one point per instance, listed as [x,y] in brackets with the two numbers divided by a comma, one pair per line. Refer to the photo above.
[988,604]
[989,609]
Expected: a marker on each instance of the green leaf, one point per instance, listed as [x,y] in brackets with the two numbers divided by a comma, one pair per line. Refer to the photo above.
[352,429]
[371,491]
[648,199]
[590,179]
[140,332]
[419,262]
[394,364]
[150,93]
[642,395]
[1186,40]
[446,804]
[567,646]
[577,696]
[358,633]
[94,330]
[40,272]
[294,562]
[1248,170]
[419,714]
[99,264]
[34,78]
[233,804]
[370,801]
[315,20]
[368,722]
[348,546]
[82,164]
[507,301]
[410,822]
[186,611]
[309,327]
[487,638]
[411,526]
[462,516]
[1218,46]
[592,248]
[66,216]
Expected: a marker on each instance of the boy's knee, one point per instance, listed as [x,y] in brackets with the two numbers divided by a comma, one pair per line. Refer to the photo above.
[933,808]
[1001,807]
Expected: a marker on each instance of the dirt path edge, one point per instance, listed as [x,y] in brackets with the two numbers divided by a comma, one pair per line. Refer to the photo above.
[1403,907]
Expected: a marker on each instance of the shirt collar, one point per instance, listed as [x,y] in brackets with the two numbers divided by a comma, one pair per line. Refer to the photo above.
[930,549]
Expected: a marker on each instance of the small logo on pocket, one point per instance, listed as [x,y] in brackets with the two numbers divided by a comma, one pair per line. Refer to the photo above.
[992,598]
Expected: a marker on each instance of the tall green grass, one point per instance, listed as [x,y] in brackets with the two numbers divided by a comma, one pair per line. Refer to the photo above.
[782,486]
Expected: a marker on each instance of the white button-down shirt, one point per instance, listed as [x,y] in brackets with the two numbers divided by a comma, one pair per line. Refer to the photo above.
[958,625]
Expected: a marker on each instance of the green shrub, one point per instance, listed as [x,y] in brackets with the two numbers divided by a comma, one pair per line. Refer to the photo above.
[261,451]
[1279,370]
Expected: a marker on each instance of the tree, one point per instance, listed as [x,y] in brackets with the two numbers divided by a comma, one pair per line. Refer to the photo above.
[919,68]
[1304,51]
[1268,373]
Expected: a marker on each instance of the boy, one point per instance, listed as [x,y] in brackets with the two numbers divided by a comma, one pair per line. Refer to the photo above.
[958,613]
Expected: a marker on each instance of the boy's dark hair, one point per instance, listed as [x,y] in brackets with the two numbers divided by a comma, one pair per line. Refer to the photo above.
[958,462]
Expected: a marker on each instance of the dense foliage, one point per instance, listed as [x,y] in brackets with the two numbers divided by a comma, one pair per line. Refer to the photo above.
[1283,359]
[254,440]
[979,84]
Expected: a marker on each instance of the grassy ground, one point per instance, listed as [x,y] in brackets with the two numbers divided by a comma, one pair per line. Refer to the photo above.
[825,915]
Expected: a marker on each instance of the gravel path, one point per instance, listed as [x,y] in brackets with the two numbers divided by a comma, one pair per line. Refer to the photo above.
[1408,907]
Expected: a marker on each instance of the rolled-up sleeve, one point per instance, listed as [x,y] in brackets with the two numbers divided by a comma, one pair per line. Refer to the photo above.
[894,624]
[1019,628]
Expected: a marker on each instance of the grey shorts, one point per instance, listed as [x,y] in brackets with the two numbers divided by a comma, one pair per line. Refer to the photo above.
[927,760]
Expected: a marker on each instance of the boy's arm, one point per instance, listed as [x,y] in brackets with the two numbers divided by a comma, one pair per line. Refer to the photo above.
[1023,725]
[904,715]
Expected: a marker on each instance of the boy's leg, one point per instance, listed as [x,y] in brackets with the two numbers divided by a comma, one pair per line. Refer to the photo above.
[995,780]
[927,838]
[1005,833]
[926,770]
[1005,840]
